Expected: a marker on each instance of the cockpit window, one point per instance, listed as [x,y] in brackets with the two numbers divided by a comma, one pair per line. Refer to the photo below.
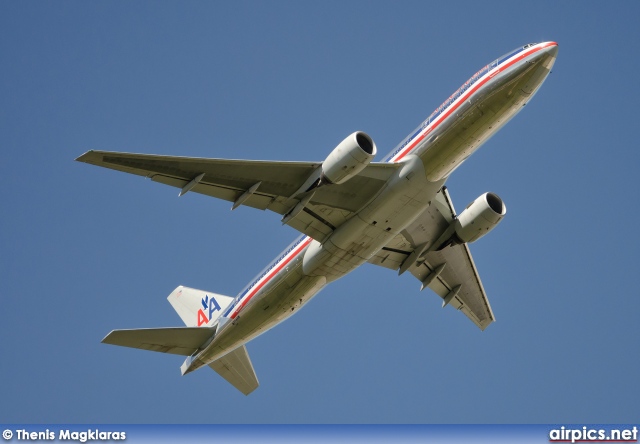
[509,55]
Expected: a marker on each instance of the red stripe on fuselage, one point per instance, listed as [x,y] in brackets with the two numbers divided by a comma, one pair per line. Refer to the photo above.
[468,94]
[257,288]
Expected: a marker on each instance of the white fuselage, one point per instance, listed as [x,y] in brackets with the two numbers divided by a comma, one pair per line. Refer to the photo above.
[428,156]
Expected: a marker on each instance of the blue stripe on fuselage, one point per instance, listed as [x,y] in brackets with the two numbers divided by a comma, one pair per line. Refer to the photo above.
[447,103]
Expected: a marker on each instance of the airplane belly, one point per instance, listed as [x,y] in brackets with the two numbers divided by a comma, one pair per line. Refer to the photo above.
[404,198]
[277,301]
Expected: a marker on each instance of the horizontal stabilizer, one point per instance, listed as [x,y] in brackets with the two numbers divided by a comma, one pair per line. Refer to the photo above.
[198,308]
[176,340]
[237,369]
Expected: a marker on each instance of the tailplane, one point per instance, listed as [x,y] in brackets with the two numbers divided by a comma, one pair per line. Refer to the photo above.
[202,312]
[175,340]
[237,369]
[198,308]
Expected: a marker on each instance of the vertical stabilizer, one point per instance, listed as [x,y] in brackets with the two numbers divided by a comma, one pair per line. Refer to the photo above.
[198,308]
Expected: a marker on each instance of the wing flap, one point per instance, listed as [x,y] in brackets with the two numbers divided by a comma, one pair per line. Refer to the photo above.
[259,201]
[393,254]
[175,340]
[460,271]
[237,369]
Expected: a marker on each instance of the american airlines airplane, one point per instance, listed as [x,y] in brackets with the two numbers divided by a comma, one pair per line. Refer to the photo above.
[395,214]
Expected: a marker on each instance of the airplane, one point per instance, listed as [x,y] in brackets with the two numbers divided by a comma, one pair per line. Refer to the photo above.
[396,214]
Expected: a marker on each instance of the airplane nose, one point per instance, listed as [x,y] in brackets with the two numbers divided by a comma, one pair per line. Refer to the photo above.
[552,50]
[549,54]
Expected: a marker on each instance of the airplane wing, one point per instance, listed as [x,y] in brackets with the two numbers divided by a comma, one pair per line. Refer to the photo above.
[237,369]
[450,273]
[266,185]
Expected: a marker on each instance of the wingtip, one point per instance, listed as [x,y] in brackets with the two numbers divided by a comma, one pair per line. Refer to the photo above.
[104,340]
[86,156]
[247,393]
[483,326]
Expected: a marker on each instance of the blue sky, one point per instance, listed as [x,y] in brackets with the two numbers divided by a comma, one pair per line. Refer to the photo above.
[85,250]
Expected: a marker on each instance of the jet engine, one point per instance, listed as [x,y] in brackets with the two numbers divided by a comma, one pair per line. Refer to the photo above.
[481,216]
[350,157]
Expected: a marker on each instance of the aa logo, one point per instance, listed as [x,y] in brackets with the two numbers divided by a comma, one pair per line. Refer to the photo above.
[209,306]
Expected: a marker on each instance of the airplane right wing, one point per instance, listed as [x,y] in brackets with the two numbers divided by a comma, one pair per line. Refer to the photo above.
[450,272]
[266,185]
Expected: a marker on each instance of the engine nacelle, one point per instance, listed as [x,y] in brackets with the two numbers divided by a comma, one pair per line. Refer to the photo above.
[481,216]
[350,157]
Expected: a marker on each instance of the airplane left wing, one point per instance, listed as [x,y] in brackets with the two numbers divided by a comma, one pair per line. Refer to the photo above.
[450,272]
[266,185]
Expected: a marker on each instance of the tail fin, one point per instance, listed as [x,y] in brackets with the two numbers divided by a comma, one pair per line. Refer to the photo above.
[198,308]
